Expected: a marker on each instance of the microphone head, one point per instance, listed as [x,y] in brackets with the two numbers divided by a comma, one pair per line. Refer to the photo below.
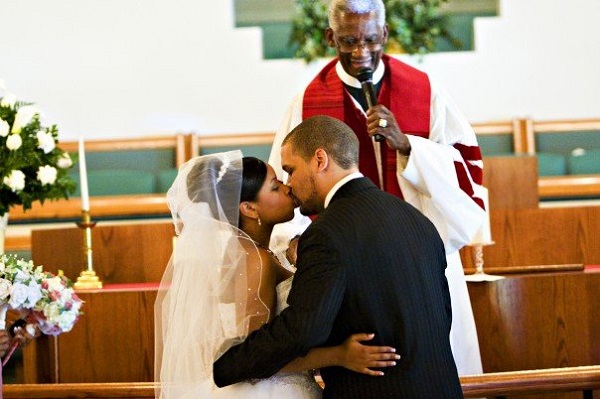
[365,75]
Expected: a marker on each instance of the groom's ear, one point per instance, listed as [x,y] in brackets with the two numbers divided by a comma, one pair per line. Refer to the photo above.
[321,159]
[247,209]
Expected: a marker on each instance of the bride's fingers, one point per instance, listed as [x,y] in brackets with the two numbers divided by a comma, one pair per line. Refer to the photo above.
[359,337]
[380,349]
[374,373]
[384,356]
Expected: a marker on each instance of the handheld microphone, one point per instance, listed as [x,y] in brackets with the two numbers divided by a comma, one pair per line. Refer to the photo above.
[365,77]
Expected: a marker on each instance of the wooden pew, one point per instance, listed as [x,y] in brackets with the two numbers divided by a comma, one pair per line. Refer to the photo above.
[564,186]
[252,144]
[519,131]
[515,130]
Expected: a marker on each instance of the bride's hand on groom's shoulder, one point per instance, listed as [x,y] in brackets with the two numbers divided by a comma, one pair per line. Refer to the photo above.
[362,358]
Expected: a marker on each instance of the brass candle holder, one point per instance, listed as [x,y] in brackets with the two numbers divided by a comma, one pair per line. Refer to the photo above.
[87,279]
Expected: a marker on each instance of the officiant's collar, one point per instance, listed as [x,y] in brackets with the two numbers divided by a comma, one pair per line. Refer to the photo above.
[352,81]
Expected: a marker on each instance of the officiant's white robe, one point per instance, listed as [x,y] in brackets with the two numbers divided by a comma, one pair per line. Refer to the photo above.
[428,182]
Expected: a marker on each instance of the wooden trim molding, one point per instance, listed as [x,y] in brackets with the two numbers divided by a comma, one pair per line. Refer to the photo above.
[132,390]
[584,378]
[565,126]
[236,139]
[115,205]
[569,186]
[177,142]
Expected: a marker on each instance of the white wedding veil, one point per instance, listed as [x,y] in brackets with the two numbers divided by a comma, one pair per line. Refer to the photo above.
[206,294]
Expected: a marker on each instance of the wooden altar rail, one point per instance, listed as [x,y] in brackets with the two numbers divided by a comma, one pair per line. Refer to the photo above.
[105,390]
[569,379]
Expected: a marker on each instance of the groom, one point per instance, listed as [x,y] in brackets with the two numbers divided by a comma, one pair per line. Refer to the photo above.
[358,270]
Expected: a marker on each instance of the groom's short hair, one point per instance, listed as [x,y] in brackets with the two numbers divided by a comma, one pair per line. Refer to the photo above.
[330,134]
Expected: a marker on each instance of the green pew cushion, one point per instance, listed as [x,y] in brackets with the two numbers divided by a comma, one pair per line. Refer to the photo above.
[550,164]
[497,145]
[152,160]
[565,142]
[117,182]
[584,162]
[164,179]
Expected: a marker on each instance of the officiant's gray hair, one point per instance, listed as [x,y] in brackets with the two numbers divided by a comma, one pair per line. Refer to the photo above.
[331,134]
[339,7]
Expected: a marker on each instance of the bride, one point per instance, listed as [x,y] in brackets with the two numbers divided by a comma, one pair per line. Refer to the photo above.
[223,282]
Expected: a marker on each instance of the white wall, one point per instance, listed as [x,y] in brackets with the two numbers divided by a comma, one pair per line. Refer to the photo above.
[116,68]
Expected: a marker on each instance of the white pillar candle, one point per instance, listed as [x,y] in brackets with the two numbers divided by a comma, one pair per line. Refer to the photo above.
[83,182]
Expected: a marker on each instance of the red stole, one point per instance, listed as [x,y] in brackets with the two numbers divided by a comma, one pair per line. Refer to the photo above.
[405,91]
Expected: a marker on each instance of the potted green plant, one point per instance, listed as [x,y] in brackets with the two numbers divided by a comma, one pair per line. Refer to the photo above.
[414,27]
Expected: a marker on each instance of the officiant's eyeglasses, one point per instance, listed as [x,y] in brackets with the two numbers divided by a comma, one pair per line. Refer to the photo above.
[350,44]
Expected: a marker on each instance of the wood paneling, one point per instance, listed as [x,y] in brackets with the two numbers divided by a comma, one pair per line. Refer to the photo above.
[544,237]
[125,253]
[113,341]
[538,237]
[511,181]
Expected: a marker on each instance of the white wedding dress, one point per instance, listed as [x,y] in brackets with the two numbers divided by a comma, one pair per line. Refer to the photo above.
[198,315]
[290,385]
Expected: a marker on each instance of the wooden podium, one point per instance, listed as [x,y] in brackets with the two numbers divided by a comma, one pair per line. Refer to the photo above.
[122,253]
[536,321]
[113,341]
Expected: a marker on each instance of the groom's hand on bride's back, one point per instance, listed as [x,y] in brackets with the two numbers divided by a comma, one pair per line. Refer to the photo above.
[362,358]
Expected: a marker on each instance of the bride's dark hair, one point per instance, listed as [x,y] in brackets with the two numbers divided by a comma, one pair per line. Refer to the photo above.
[254,173]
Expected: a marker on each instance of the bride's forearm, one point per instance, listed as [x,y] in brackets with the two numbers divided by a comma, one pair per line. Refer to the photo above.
[316,358]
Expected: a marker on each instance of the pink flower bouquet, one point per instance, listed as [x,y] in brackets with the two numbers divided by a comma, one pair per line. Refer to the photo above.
[59,307]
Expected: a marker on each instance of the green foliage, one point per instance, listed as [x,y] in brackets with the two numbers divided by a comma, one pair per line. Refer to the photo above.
[308,30]
[414,27]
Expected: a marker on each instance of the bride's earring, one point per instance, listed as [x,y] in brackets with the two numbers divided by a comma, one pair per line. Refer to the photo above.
[258,219]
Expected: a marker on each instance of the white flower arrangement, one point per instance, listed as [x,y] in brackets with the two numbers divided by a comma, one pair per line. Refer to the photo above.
[20,286]
[42,298]
[33,168]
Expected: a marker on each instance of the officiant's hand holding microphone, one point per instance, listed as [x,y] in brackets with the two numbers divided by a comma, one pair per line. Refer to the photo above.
[381,123]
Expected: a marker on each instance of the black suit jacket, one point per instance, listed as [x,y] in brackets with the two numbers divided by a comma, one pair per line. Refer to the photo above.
[370,263]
